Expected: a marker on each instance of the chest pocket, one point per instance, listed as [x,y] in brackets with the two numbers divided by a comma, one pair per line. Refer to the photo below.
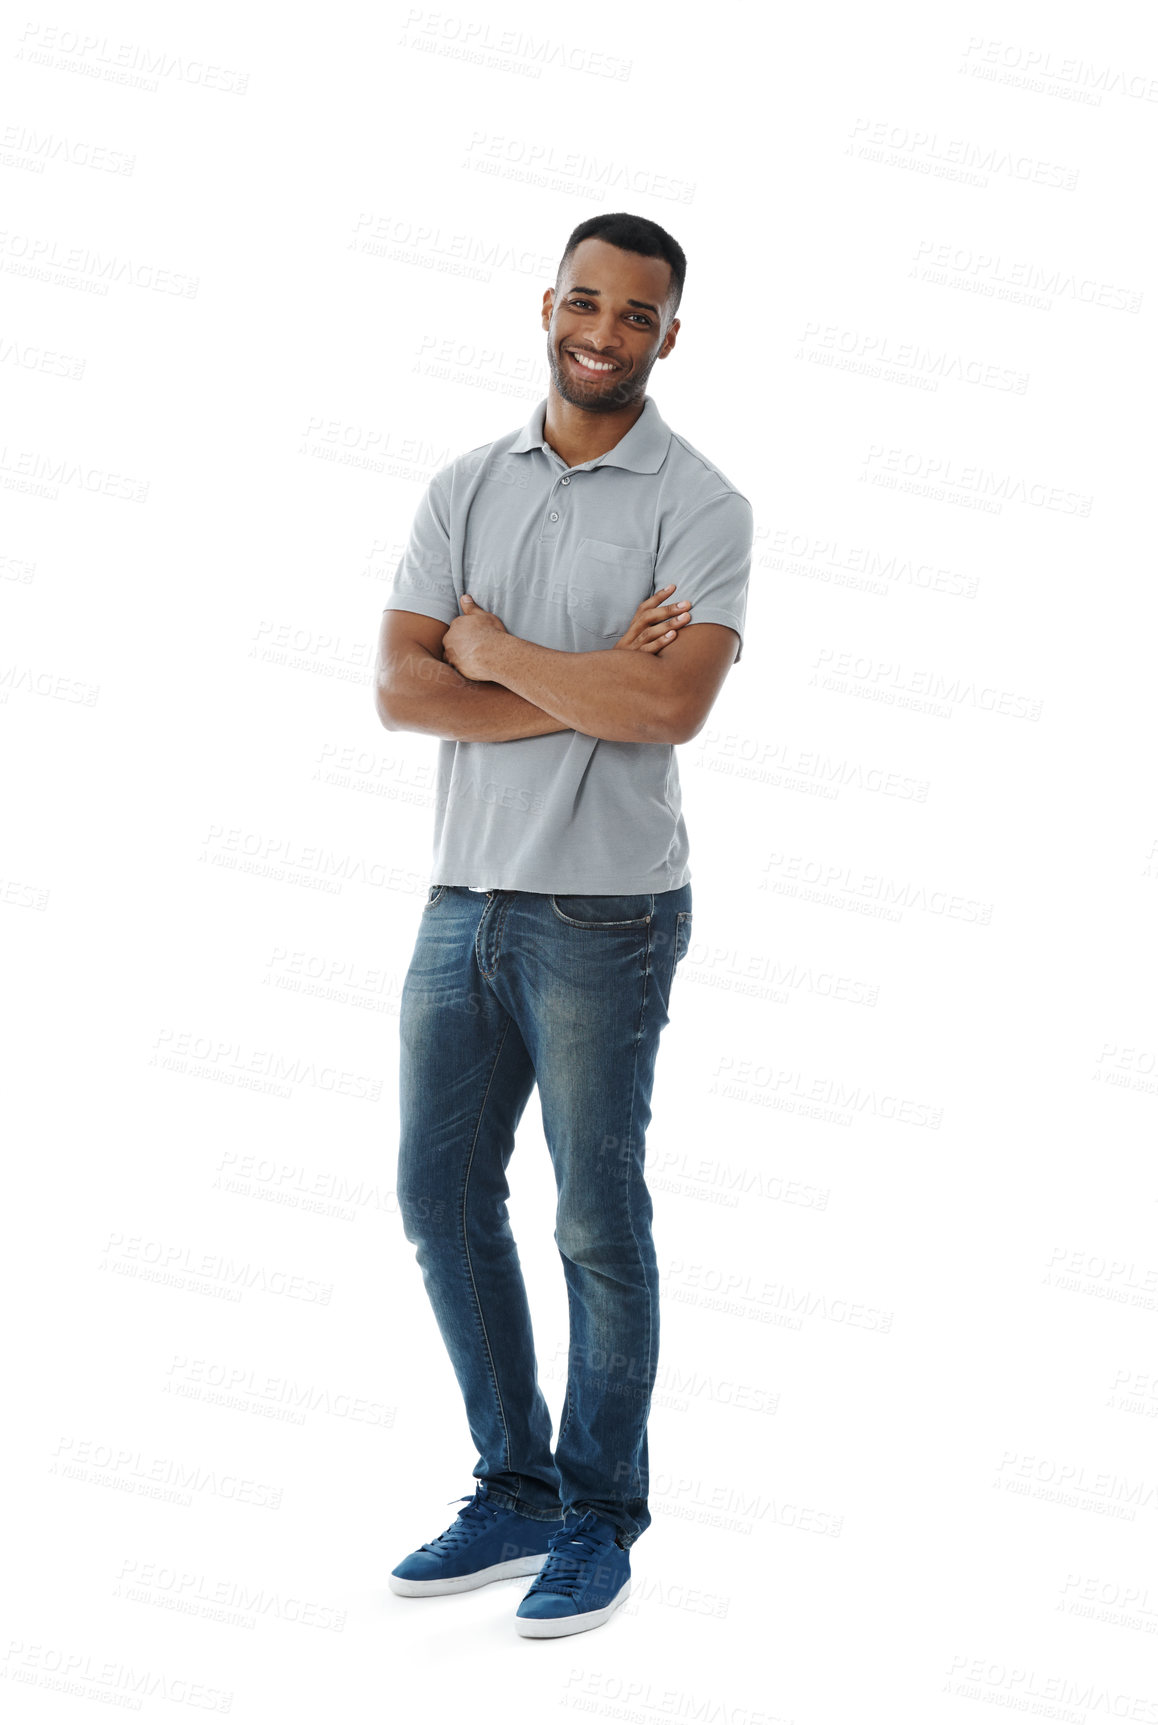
[605,584]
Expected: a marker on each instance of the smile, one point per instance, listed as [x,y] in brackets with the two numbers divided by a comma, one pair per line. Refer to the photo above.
[590,364]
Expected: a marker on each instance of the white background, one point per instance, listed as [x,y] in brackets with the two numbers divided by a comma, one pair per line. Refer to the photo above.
[263,274]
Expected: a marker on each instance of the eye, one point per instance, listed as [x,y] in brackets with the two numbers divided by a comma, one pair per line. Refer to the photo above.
[640,315]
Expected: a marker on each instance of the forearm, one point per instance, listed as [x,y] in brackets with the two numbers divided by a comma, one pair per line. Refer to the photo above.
[621,697]
[422,693]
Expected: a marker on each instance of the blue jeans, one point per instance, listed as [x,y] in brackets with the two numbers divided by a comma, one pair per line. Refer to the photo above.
[505,990]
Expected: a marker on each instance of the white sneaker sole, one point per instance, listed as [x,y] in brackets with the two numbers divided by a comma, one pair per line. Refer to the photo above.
[545,1626]
[464,1583]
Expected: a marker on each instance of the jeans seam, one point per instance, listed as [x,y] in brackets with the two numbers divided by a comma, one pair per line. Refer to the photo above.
[682,917]
[466,1249]
[567,1415]
[630,1485]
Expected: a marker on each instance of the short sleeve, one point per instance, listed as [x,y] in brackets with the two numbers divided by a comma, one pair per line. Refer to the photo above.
[423,580]
[708,554]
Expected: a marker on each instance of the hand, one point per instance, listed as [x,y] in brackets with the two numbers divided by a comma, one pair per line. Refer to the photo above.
[654,623]
[465,642]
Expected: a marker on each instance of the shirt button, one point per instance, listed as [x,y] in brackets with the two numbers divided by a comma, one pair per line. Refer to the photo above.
[554,515]
[564,481]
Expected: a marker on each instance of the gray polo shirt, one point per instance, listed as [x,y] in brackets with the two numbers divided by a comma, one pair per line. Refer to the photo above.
[563,555]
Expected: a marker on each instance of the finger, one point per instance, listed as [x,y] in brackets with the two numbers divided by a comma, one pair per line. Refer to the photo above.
[654,600]
[666,611]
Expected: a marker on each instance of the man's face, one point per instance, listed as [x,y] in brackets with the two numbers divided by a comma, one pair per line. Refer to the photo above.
[593,316]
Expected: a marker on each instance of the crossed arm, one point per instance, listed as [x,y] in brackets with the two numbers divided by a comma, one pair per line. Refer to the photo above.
[508,687]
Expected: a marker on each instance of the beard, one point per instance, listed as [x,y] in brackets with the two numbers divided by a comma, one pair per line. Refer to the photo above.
[605,393]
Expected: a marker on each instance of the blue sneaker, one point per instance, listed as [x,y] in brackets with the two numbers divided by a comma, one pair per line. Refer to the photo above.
[586,1577]
[485,1542]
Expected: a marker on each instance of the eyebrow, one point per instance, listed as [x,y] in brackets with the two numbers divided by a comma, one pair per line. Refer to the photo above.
[594,292]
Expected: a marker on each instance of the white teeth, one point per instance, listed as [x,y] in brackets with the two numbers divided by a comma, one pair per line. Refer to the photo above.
[592,364]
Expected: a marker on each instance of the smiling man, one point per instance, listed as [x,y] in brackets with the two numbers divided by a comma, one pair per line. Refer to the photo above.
[572,597]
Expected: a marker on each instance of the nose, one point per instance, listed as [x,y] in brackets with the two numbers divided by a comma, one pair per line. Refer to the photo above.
[605,336]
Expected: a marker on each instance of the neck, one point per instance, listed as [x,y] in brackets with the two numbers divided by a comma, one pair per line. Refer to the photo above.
[577,436]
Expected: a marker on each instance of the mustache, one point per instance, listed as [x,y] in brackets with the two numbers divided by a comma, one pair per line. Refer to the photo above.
[611,394]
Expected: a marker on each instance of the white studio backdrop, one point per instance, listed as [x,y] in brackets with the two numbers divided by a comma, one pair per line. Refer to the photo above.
[263,275]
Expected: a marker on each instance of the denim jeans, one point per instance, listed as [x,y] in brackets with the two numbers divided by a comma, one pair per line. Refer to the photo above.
[507,989]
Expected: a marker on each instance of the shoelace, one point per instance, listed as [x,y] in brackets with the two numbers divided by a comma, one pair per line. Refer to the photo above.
[465,1526]
[563,1570]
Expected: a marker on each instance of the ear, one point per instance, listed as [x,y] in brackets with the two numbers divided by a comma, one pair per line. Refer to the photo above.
[548,307]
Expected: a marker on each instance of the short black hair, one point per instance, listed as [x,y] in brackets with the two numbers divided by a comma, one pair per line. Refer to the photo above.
[632,234]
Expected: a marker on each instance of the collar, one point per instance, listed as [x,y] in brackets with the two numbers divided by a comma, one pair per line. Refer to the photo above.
[641,450]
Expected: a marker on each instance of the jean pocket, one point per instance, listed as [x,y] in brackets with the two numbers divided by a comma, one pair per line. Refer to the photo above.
[433,895]
[603,910]
[605,585]
[683,933]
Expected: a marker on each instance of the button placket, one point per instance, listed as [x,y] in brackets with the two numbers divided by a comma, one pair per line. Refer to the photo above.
[554,516]
[564,479]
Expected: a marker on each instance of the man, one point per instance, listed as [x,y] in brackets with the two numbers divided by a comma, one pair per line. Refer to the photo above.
[531,628]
